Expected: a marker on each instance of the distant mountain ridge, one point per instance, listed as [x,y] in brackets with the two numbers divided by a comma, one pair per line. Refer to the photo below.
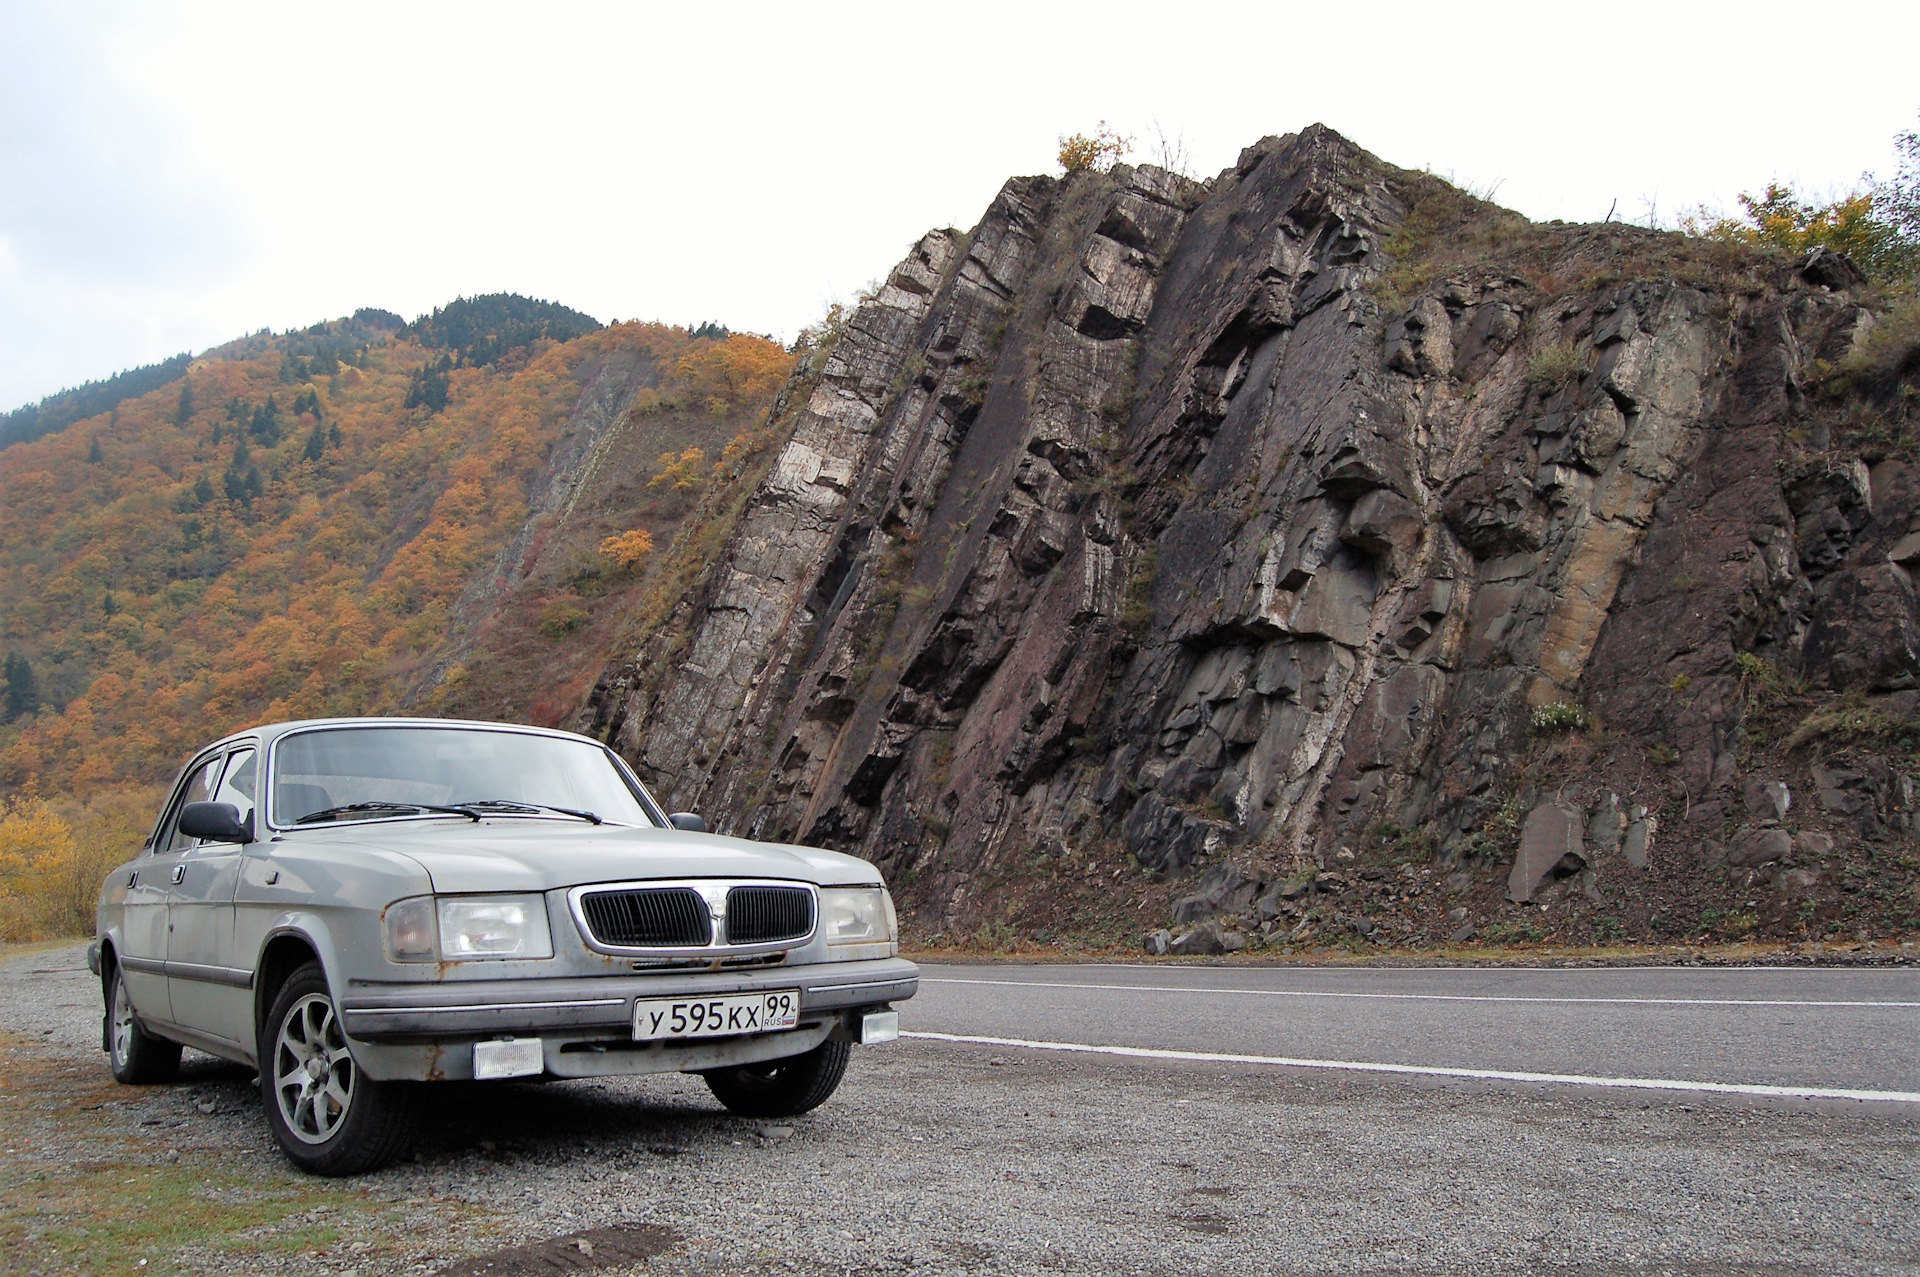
[476,330]
[89,399]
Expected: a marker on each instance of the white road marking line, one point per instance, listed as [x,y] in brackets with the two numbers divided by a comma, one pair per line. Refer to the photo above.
[1421,997]
[1363,966]
[1483,1075]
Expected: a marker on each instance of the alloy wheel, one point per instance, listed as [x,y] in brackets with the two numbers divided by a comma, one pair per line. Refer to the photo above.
[313,1073]
[122,1023]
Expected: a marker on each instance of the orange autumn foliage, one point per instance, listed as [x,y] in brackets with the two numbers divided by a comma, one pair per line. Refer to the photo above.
[208,569]
[629,548]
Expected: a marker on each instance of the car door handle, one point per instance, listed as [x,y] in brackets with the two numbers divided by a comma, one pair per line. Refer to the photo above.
[179,872]
[133,879]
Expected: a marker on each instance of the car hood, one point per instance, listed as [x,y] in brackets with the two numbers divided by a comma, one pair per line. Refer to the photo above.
[517,854]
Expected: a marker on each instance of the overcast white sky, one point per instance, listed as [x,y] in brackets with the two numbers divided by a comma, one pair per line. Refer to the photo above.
[174,175]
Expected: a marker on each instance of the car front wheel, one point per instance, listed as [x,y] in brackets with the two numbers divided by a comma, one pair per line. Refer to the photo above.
[329,1118]
[138,1056]
[781,1088]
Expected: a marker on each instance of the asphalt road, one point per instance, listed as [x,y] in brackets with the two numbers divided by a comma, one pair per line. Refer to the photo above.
[1196,1154]
[1810,1033]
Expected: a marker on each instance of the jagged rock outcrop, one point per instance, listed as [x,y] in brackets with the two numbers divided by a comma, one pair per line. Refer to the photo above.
[1252,523]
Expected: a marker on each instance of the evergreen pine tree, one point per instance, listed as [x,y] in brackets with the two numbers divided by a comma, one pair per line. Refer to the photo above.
[184,412]
[22,696]
[316,443]
[94,455]
[265,423]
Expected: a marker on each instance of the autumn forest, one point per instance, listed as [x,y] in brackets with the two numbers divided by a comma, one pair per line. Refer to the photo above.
[365,516]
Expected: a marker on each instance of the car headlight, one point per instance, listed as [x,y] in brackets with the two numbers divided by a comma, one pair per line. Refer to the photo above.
[458,928]
[858,922]
[494,927]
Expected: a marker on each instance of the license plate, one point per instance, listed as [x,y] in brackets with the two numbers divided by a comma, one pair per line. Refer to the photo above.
[715,1017]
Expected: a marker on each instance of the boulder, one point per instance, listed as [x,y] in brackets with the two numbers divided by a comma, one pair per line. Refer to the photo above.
[1274,901]
[1549,842]
[1814,844]
[1770,799]
[1205,939]
[1222,891]
[1796,882]
[1159,942]
[1607,825]
[1843,792]
[1638,842]
[1753,847]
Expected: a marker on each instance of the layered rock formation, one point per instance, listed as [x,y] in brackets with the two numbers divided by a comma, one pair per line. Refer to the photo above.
[1317,514]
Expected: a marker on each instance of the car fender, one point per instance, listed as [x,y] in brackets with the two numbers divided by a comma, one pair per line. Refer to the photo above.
[310,927]
[109,938]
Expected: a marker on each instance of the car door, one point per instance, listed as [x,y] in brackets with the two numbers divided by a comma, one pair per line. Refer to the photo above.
[144,938]
[208,984]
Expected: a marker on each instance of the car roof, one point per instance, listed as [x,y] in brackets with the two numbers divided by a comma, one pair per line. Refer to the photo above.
[266,733]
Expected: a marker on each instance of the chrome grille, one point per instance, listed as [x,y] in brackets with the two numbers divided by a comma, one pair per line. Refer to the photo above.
[658,918]
[765,915]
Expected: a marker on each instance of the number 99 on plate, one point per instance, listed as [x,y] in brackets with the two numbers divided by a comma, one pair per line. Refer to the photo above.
[716,1017]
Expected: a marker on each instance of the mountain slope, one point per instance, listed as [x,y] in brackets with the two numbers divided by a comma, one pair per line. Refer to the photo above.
[295,528]
[1357,559]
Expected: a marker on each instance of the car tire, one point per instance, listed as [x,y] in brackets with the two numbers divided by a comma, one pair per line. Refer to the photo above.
[139,1058]
[781,1088]
[328,1118]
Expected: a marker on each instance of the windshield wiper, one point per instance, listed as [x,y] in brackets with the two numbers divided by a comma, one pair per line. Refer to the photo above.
[515,805]
[334,813]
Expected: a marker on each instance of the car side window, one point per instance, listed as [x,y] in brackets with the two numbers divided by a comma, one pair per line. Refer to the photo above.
[199,789]
[237,786]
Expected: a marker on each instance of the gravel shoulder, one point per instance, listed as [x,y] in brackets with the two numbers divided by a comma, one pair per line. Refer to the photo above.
[940,1158]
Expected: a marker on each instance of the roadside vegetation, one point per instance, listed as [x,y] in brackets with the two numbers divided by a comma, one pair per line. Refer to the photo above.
[96,1180]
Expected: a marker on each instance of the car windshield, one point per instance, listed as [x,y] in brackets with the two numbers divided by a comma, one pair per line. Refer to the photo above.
[347,773]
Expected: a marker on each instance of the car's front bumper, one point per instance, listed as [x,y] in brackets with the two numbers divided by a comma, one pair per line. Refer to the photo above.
[427,1032]
[487,1008]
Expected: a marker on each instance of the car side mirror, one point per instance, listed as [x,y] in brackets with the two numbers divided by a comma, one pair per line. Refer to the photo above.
[688,821]
[215,822]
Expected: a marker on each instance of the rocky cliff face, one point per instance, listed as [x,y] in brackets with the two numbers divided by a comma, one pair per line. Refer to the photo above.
[1356,558]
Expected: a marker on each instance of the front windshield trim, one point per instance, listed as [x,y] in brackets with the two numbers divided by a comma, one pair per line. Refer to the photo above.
[270,780]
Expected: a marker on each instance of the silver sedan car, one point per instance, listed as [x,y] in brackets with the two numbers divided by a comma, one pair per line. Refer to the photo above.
[358,906]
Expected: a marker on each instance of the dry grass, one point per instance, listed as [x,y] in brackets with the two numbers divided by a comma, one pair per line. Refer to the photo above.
[1448,231]
[1850,720]
[86,1187]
